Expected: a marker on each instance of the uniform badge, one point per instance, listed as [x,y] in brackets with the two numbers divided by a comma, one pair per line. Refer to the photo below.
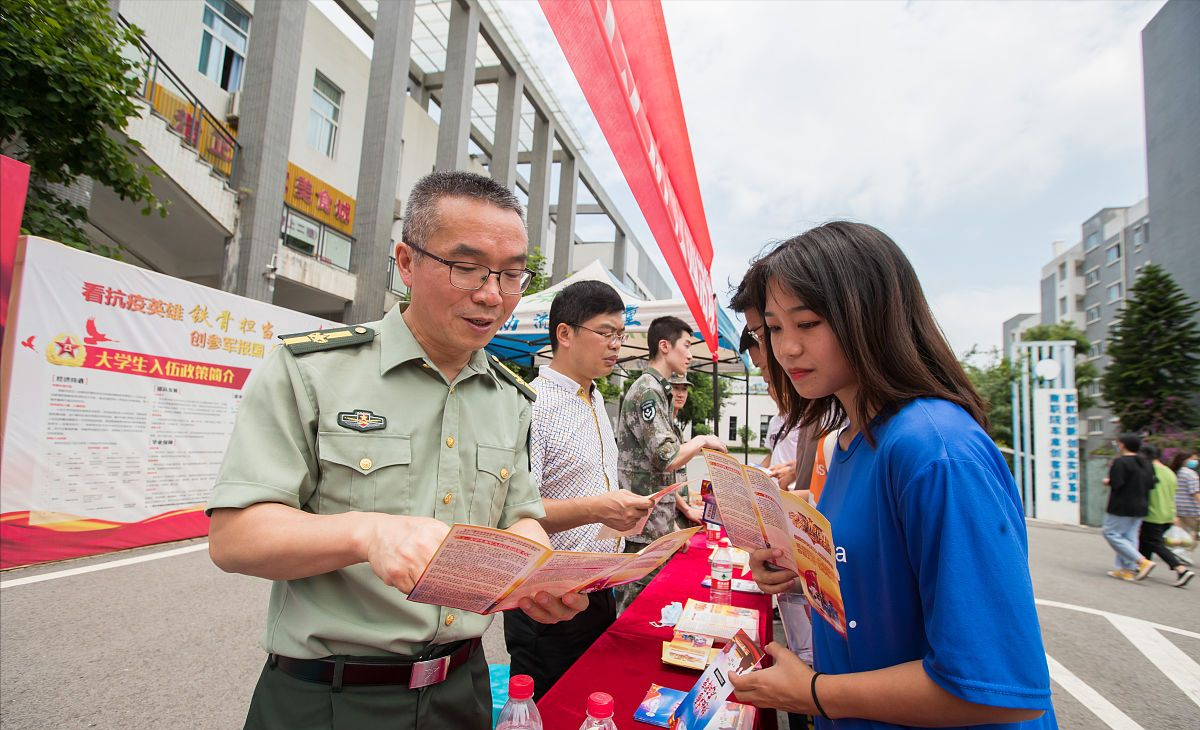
[361,421]
[648,411]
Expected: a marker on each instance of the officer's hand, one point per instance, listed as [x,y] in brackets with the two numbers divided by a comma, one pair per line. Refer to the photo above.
[709,441]
[623,509]
[401,546]
[692,514]
[546,609]
[784,473]
[770,581]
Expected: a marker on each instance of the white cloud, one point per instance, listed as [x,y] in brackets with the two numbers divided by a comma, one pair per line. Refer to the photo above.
[974,317]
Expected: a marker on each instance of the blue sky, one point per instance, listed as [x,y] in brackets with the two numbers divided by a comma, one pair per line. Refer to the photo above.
[975,134]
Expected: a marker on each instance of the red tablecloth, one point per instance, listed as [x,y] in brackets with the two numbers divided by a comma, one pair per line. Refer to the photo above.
[627,658]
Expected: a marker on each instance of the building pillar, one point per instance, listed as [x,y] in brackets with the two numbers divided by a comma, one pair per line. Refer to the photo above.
[538,216]
[454,128]
[564,222]
[619,253]
[268,106]
[379,164]
[508,129]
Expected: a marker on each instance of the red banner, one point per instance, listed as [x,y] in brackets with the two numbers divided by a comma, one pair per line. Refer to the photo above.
[636,102]
[14,181]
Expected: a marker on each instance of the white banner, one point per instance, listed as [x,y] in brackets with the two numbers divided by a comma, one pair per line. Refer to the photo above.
[1056,455]
[121,386]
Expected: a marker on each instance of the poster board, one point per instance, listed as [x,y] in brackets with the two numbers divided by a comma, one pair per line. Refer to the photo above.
[1056,454]
[120,386]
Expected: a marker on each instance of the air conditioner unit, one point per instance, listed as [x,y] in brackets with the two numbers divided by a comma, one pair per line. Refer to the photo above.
[233,108]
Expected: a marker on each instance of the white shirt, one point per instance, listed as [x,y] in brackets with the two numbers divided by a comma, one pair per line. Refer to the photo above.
[572,452]
[783,446]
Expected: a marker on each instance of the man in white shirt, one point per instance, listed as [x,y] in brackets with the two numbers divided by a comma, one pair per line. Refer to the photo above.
[573,460]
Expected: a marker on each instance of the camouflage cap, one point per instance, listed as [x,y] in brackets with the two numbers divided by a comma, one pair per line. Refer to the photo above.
[679,380]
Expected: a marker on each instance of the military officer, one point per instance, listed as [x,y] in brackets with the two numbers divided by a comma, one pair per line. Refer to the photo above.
[355,449]
[649,450]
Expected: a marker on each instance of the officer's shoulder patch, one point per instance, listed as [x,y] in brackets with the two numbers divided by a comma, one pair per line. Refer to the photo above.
[303,343]
[510,376]
[649,410]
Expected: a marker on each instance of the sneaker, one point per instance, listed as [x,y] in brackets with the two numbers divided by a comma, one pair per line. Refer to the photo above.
[1122,574]
[1182,579]
[1144,568]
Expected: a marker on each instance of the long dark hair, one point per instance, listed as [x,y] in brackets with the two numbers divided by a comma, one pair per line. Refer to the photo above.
[859,281]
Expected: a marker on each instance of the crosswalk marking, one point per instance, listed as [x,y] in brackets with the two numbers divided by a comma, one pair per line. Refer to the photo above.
[1108,713]
[1168,658]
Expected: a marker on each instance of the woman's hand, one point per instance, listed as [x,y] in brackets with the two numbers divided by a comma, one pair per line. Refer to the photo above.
[770,580]
[784,686]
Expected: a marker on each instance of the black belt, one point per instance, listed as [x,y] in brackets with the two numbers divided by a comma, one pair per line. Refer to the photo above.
[413,672]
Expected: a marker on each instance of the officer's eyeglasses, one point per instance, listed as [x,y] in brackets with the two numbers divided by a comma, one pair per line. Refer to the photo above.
[471,277]
[614,338]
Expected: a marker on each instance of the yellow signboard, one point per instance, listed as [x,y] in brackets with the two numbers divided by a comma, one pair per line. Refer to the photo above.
[317,199]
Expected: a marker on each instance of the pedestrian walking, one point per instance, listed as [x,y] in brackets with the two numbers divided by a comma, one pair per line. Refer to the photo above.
[1130,479]
[1160,515]
[1187,496]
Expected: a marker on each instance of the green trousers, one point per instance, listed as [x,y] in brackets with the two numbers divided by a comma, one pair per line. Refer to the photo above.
[462,700]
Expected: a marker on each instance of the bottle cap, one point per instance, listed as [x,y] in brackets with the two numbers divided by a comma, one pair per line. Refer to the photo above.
[725,542]
[600,705]
[520,687]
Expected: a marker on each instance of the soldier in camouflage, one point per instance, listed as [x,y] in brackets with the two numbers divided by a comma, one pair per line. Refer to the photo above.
[649,450]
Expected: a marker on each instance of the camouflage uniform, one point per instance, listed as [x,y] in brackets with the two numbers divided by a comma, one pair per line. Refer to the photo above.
[646,442]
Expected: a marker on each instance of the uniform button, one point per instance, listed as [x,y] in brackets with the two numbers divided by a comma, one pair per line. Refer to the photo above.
[503,474]
[449,620]
[448,498]
[451,390]
[361,330]
[450,441]
[366,464]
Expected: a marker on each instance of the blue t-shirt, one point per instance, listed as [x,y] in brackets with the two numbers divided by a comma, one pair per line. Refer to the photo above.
[935,563]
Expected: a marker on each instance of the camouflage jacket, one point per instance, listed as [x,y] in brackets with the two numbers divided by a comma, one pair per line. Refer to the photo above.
[646,444]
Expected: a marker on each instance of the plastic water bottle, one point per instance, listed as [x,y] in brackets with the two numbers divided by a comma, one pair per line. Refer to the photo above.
[519,713]
[599,712]
[722,575]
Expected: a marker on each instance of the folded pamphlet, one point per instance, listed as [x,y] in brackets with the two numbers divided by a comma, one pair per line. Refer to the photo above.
[758,514]
[608,533]
[485,570]
[706,701]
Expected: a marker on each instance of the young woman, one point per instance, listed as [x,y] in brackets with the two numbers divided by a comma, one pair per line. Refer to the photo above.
[932,553]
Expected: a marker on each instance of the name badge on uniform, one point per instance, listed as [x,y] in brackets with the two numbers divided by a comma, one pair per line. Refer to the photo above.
[361,421]
[648,411]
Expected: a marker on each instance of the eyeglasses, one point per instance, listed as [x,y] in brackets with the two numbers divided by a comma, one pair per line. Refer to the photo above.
[614,338]
[472,277]
[756,335]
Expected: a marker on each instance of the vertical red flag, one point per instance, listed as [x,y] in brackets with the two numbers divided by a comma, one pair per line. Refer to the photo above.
[14,180]
[621,57]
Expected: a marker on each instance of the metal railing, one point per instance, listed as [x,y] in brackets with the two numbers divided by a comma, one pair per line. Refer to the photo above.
[184,113]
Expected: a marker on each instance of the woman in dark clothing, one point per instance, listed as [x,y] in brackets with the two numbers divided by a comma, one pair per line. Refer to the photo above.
[1130,479]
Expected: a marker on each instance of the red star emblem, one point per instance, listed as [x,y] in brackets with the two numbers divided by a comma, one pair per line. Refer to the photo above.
[66,347]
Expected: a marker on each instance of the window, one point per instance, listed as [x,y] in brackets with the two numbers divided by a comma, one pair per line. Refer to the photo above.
[311,238]
[1092,277]
[335,249]
[1093,240]
[732,428]
[223,43]
[1093,314]
[1139,237]
[1097,349]
[1062,306]
[1062,272]
[323,117]
[1095,425]
[763,425]
[1113,254]
[1114,292]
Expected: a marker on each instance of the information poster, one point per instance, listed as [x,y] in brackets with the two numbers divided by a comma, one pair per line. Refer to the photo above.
[120,388]
[1056,455]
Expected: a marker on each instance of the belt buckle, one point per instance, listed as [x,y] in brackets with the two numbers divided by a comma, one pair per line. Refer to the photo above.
[430,671]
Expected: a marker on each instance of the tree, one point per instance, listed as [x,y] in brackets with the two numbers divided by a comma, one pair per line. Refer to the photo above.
[993,378]
[744,434]
[66,92]
[1085,372]
[537,264]
[1154,375]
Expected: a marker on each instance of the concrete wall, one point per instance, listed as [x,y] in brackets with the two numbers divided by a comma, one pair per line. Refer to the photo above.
[1170,60]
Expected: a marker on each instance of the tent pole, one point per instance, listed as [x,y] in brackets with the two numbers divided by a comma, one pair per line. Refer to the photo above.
[746,443]
[716,385]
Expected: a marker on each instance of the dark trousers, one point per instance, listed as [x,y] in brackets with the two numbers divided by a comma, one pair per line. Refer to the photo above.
[546,651]
[630,591]
[1150,543]
[462,700]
